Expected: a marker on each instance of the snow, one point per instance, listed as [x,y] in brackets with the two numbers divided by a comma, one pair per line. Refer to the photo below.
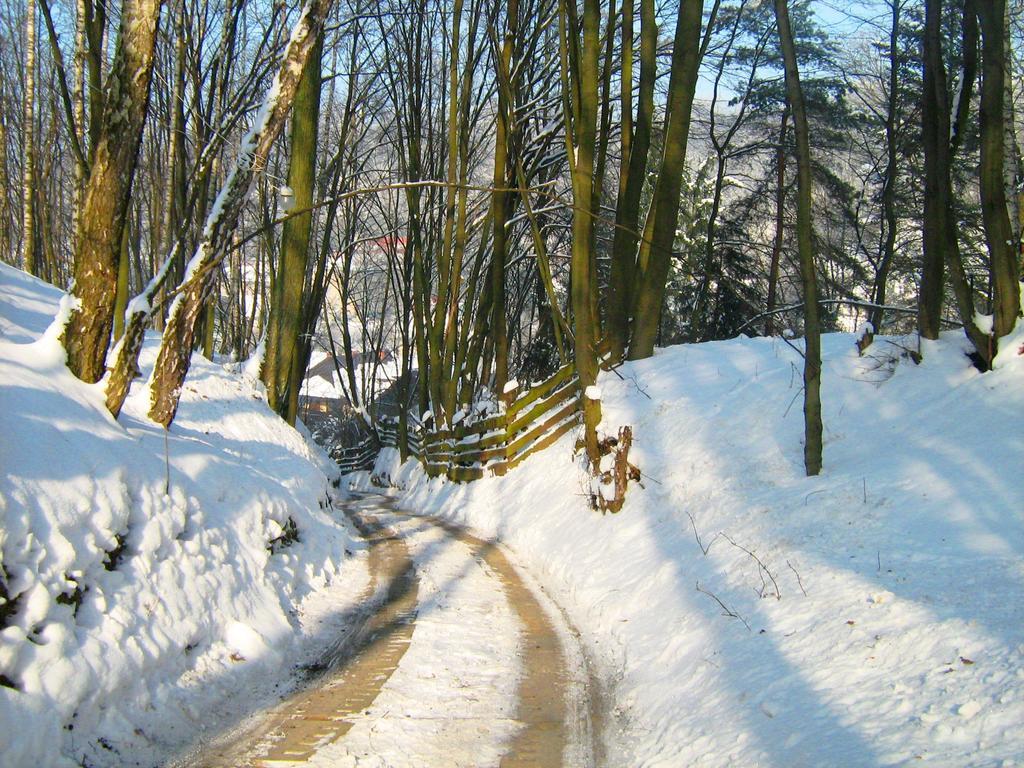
[463,659]
[148,598]
[27,306]
[748,615]
[510,386]
[593,392]
[738,612]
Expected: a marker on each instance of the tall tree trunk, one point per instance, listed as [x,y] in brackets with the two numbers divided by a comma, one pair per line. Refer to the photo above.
[28,132]
[780,232]
[998,232]
[78,97]
[108,191]
[171,216]
[635,146]
[286,308]
[935,124]
[891,170]
[452,353]
[500,200]
[804,225]
[655,254]
[943,134]
[436,330]
[580,147]
[5,228]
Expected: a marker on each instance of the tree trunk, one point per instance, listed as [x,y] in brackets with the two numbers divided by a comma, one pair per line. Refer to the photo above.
[108,191]
[5,228]
[998,232]
[891,170]
[286,308]
[780,202]
[28,132]
[804,225]
[580,149]
[635,147]
[660,229]
[171,217]
[942,135]
[121,297]
[500,200]
[935,124]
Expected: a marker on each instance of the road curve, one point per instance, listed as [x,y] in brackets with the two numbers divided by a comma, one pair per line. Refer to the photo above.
[551,720]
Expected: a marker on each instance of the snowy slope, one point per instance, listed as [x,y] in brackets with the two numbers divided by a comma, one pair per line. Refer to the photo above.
[908,645]
[142,587]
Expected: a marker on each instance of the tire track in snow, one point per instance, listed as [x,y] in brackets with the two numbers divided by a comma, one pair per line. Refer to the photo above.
[495,677]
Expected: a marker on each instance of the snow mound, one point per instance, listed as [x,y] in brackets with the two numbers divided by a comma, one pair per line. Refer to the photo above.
[145,576]
[749,615]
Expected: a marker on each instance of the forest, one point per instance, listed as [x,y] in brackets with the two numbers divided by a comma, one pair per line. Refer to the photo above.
[334,332]
[480,192]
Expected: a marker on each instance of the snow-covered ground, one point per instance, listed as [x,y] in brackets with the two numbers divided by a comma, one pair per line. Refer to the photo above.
[742,614]
[145,590]
[748,615]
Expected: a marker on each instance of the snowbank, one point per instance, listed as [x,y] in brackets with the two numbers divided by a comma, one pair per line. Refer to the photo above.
[749,615]
[147,578]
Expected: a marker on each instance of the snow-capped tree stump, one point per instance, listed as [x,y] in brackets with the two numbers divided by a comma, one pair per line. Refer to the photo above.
[618,474]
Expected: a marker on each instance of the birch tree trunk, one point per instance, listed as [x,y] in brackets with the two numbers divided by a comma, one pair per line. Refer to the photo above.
[28,133]
[78,97]
[107,193]
[5,228]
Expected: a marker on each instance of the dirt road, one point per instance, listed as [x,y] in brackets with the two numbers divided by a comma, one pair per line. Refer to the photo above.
[456,660]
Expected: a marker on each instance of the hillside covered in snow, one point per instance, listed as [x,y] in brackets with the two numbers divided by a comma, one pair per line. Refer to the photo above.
[146,579]
[745,614]
[155,590]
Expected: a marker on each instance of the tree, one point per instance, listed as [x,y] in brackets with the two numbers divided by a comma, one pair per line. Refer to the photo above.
[28,133]
[281,371]
[1002,250]
[662,217]
[937,192]
[635,145]
[580,143]
[98,242]
[812,323]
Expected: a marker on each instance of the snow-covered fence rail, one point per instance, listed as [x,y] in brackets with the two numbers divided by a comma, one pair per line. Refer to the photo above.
[358,457]
[531,422]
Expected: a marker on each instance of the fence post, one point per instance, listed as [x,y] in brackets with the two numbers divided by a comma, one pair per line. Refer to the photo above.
[508,397]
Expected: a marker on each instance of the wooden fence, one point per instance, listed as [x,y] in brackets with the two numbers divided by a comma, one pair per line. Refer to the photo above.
[359,457]
[531,422]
